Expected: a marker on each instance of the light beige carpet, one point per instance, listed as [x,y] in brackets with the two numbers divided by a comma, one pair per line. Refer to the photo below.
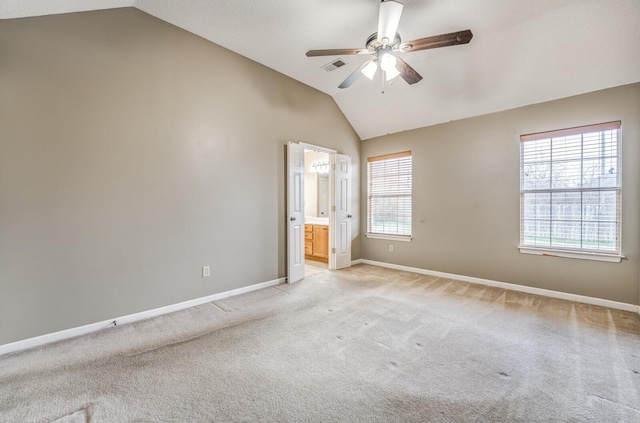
[365,344]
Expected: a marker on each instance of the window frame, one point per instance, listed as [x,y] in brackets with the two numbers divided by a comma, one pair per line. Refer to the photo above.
[387,235]
[581,252]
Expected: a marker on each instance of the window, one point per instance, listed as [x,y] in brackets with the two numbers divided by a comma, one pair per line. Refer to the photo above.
[389,196]
[570,190]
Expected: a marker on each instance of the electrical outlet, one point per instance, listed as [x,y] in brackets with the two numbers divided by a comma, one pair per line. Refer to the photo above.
[206,271]
[391,248]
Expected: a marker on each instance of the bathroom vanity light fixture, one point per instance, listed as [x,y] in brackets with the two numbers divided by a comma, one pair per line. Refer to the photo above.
[320,167]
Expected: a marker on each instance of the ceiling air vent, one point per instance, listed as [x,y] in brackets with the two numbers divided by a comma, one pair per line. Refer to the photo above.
[334,65]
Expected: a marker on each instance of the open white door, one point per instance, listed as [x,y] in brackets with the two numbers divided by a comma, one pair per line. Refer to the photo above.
[341,208]
[295,212]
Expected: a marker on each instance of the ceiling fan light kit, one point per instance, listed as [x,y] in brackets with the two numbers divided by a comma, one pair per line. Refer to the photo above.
[370,69]
[385,43]
[388,62]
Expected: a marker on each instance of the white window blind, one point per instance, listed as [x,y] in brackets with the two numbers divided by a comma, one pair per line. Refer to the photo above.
[570,189]
[389,194]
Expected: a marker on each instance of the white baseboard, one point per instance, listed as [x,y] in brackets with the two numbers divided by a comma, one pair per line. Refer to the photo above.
[83,330]
[357,261]
[510,286]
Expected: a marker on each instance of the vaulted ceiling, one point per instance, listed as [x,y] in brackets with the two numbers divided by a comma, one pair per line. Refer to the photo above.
[523,52]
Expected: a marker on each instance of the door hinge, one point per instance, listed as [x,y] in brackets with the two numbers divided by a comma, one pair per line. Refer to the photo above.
[333,208]
[333,250]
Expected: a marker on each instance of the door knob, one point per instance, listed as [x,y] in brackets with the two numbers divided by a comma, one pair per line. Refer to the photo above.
[293,219]
[349,216]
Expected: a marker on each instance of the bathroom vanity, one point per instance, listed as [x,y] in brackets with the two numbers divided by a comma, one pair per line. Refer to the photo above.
[316,241]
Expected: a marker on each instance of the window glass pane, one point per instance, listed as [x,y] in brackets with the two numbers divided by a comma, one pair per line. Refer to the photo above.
[566,148]
[537,206]
[609,206]
[536,151]
[592,147]
[599,206]
[607,236]
[536,176]
[537,233]
[609,174]
[566,174]
[566,234]
[590,234]
[591,206]
[566,206]
[600,173]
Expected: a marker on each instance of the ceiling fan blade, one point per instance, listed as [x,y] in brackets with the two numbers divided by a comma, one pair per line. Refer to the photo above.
[388,20]
[337,52]
[437,41]
[407,73]
[354,76]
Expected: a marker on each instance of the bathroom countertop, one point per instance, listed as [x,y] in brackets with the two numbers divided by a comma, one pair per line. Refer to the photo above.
[317,221]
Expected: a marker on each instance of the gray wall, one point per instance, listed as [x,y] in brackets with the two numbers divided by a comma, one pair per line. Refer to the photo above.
[131,154]
[466,197]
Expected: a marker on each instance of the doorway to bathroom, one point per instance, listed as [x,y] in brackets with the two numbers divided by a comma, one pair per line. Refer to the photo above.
[318,210]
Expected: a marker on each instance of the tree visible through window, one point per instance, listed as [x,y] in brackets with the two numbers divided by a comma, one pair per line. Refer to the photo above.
[389,194]
[570,189]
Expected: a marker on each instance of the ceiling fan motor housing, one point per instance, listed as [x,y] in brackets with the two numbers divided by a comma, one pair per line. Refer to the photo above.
[374,45]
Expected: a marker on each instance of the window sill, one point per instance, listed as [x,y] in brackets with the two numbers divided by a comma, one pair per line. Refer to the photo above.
[401,238]
[611,258]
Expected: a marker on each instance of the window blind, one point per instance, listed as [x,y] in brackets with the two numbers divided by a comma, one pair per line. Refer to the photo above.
[389,195]
[570,190]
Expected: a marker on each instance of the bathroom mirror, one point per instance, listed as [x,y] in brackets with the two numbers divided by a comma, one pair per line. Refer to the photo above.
[323,195]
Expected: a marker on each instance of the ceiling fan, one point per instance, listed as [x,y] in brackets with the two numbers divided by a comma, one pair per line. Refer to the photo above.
[386,42]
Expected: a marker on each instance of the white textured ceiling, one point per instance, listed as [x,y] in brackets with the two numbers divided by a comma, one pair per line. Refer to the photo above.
[523,52]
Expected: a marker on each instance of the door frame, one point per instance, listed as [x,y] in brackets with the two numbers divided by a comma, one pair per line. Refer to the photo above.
[331,152]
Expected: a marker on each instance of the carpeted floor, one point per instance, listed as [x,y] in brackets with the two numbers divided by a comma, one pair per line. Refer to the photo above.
[365,344]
